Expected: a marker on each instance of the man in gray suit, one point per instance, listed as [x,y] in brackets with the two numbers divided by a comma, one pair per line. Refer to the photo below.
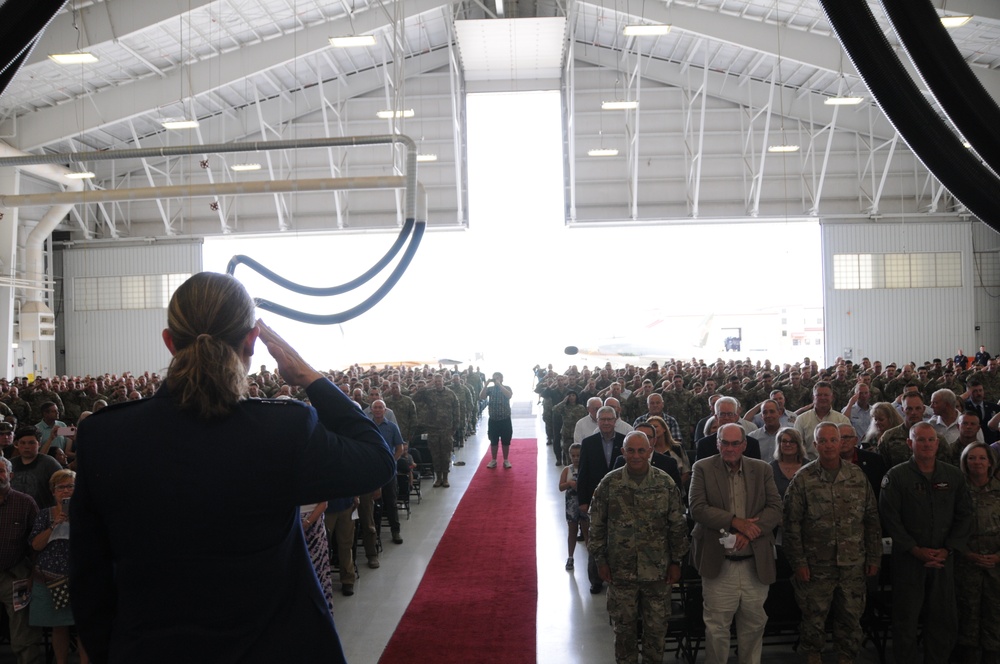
[736,506]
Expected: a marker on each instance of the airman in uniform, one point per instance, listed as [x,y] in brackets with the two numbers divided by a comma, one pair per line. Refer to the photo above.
[638,537]
[832,539]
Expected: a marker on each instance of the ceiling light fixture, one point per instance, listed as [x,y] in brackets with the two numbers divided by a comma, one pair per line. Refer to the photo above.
[353,41]
[603,152]
[646,30]
[782,148]
[388,115]
[427,157]
[79,175]
[73,58]
[843,101]
[244,167]
[955,21]
[179,123]
[619,105]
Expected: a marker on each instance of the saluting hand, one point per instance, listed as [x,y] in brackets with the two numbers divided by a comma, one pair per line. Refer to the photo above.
[291,366]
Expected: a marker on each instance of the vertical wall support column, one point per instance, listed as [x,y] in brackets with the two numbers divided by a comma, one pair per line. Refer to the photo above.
[569,112]
[10,181]
[457,84]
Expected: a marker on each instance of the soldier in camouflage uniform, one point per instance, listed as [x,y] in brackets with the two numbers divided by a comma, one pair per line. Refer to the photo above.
[40,394]
[552,391]
[571,412]
[638,536]
[947,382]
[796,393]
[990,378]
[832,539]
[404,409]
[676,402]
[17,405]
[474,381]
[842,388]
[466,408]
[437,409]
[977,572]
[893,446]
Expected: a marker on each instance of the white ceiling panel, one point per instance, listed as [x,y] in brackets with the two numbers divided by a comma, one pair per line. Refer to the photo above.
[511,49]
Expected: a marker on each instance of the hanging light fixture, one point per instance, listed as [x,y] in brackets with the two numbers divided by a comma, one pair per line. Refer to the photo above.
[389,114]
[955,21]
[619,105]
[353,41]
[843,101]
[646,30]
[73,58]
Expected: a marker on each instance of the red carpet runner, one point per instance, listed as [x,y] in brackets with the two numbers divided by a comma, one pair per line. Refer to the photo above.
[477,600]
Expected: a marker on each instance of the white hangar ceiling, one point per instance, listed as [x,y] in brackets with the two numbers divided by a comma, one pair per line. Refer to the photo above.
[730,78]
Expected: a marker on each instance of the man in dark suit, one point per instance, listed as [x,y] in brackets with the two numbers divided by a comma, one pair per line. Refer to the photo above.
[869,462]
[597,457]
[727,411]
[986,410]
[735,505]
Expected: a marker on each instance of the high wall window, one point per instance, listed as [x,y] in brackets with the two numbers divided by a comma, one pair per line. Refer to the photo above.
[142,291]
[987,268]
[923,270]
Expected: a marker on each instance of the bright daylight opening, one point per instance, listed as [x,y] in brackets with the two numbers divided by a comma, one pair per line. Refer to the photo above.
[519,285]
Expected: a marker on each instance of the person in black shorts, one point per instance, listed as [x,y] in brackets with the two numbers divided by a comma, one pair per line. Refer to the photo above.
[500,429]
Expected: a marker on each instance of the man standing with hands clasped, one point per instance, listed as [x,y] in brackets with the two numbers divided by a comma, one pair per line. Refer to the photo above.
[638,536]
[832,539]
[927,510]
[736,506]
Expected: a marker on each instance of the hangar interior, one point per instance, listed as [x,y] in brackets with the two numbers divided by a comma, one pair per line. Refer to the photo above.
[716,112]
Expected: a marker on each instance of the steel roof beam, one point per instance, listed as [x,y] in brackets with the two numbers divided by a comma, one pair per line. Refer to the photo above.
[809,48]
[724,87]
[118,103]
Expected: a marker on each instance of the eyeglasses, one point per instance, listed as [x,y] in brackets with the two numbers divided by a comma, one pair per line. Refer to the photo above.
[726,443]
[65,487]
[787,441]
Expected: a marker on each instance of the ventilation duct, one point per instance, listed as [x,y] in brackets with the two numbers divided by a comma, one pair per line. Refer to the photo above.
[904,105]
[948,76]
[21,24]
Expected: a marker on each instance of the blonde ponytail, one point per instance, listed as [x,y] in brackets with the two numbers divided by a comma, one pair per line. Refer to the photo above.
[209,317]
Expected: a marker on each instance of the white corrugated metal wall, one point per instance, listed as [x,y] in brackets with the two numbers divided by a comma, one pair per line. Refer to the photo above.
[115,339]
[986,247]
[904,324]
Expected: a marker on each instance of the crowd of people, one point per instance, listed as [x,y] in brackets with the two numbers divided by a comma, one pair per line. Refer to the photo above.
[432,409]
[797,471]
[829,459]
